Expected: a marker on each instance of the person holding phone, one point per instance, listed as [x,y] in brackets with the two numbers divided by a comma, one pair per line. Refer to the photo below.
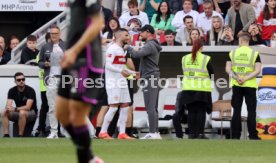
[227,37]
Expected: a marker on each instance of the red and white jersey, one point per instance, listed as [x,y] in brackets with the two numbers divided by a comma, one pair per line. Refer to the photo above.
[115,63]
[268,26]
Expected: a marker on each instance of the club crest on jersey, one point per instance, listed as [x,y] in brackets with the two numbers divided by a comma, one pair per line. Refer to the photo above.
[119,60]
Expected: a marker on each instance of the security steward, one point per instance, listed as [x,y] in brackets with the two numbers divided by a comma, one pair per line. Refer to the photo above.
[243,65]
[196,89]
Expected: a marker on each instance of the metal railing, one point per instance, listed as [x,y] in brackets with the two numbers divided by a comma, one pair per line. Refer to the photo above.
[40,33]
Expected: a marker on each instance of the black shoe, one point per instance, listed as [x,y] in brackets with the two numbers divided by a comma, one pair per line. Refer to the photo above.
[202,136]
[134,136]
[254,138]
[36,133]
[60,135]
[42,134]
[191,136]
[6,136]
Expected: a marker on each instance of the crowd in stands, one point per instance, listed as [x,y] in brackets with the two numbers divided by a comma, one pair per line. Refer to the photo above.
[176,23]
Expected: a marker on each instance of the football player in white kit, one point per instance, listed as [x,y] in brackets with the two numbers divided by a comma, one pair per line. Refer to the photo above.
[116,85]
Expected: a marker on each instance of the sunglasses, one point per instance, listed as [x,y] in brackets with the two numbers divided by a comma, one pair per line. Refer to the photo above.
[19,80]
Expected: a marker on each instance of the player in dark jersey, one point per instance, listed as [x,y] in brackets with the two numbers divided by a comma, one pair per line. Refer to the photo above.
[82,60]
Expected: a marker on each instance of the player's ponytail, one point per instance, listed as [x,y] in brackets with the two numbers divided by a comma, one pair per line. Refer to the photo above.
[197,44]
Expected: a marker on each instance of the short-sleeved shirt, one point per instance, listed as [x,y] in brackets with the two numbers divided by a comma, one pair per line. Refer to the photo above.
[20,98]
[268,26]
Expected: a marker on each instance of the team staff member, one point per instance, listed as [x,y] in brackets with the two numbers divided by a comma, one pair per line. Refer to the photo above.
[149,59]
[243,65]
[196,88]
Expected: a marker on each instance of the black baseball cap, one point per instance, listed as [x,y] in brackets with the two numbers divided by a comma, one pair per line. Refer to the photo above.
[147,28]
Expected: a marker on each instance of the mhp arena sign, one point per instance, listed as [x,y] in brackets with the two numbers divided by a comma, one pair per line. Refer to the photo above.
[32,5]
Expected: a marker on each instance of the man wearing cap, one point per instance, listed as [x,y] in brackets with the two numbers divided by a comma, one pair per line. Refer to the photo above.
[149,70]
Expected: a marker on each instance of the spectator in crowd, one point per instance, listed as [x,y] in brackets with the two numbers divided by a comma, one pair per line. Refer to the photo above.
[14,41]
[204,20]
[25,110]
[149,7]
[133,19]
[49,58]
[273,36]
[30,52]
[267,20]
[216,31]
[48,37]
[243,66]
[255,35]
[163,19]
[197,97]
[176,5]
[183,34]
[112,26]
[240,17]
[4,55]
[258,6]
[187,10]
[222,6]
[107,14]
[170,39]
[227,37]
[273,39]
[194,35]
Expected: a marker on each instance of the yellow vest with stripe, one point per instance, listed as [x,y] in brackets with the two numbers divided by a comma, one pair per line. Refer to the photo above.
[243,63]
[196,76]
[40,77]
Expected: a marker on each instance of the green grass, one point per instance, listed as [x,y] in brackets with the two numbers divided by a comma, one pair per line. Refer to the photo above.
[139,151]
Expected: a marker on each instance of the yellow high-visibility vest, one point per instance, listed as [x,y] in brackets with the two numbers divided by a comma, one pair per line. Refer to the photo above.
[40,76]
[243,63]
[196,76]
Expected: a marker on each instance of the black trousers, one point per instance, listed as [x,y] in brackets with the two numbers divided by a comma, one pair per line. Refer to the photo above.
[179,116]
[251,101]
[43,112]
[196,117]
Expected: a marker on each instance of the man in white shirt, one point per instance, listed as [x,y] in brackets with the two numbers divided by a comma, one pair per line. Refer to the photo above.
[177,21]
[184,33]
[133,19]
[49,58]
[116,85]
[204,20]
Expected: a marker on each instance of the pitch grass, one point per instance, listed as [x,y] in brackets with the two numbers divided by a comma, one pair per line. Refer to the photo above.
[140,151]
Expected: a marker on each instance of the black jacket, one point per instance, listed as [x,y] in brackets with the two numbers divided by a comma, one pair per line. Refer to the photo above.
[27,55]
[6,57]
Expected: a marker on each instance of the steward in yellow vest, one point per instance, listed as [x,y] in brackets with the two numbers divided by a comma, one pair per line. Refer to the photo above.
[243,65]
[40,131]
[196,89]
